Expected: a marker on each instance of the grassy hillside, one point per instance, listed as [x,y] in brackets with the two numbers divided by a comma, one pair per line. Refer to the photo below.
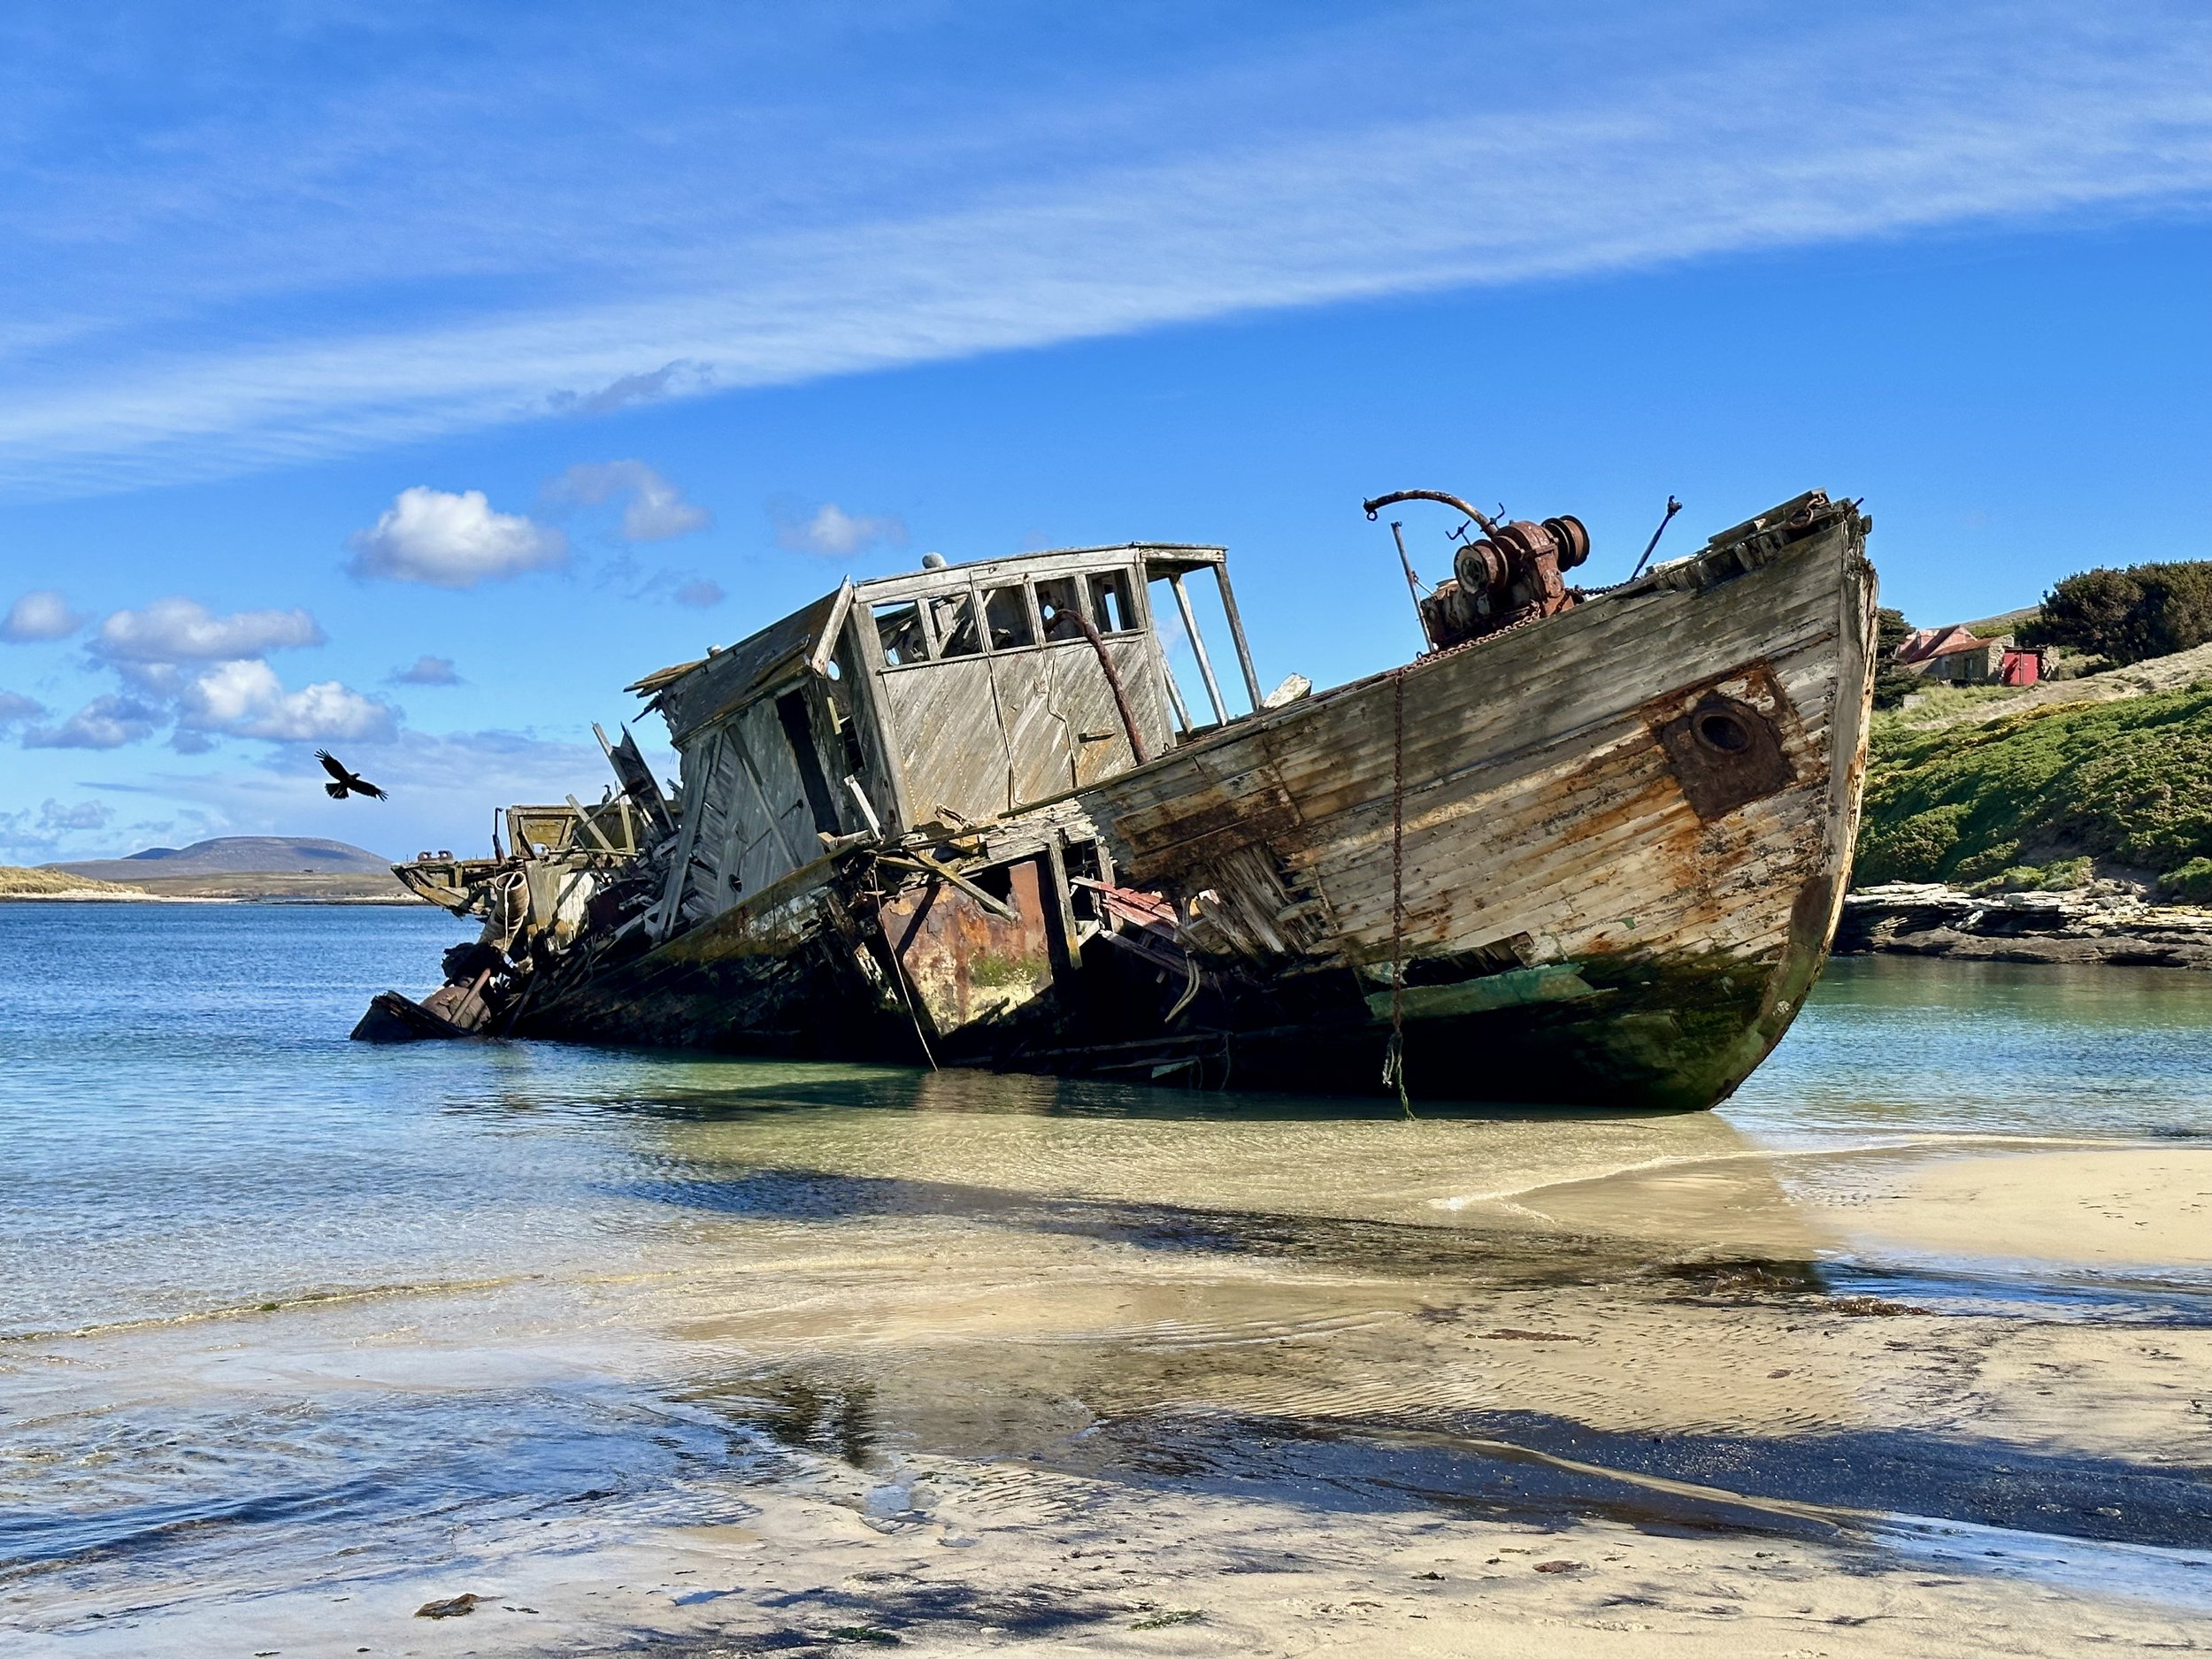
[2029,798]
[18,883]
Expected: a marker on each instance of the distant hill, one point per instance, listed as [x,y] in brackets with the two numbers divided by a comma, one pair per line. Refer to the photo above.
[237,855]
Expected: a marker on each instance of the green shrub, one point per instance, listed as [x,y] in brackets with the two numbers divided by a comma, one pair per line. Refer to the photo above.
[2065,874]
[1908,847]
[1892,684]
[2129,781]
[2192,883]
[2145,610]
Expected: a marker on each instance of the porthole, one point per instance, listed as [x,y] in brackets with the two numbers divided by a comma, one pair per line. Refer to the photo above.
[1722,732]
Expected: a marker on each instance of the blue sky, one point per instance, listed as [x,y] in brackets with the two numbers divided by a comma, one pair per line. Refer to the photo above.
[406,379]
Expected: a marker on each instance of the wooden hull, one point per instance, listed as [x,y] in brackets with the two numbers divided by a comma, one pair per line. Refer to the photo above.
[1622,837]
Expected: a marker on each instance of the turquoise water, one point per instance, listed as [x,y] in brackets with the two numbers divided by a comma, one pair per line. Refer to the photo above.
[267,1291]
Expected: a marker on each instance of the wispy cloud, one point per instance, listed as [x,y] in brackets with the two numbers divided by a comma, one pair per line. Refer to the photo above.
[653,508]
[1239,183]
[671,380]
[427,670]
[33,836]
[699,593]
[829,530]
[78,814]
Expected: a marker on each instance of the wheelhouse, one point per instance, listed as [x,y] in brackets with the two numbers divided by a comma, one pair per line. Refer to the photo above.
[952,694]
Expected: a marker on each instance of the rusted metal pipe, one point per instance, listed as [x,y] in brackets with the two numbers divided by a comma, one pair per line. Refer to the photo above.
[1113,681]
[1374,509]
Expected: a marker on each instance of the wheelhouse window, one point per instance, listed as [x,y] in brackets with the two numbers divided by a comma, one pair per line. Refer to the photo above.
[954,618]
[899,625]
[1057,603]
[1111,606]
[1006,614]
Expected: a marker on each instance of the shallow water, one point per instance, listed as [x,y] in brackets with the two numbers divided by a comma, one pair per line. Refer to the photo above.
[282,1310]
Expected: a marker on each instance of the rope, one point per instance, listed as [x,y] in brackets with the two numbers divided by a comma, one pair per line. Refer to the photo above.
[1394,1065]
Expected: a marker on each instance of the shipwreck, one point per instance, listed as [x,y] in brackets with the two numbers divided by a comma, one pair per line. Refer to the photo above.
[1588,847]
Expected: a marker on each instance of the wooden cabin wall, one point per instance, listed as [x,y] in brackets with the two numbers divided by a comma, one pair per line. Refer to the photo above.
[701,829]
[770,824]
[986,735]
[948,736]
[748,816]
[860,710]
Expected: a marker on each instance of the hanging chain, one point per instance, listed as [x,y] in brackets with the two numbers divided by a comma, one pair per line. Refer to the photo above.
[1393,1066]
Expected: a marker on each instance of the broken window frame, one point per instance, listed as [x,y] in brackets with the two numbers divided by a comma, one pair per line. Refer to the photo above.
[920,626]
[1074,582]
[1121,582]
[962,601]
[1027,601]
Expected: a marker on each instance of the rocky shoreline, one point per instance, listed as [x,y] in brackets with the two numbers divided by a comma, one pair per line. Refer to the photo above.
[2102,924]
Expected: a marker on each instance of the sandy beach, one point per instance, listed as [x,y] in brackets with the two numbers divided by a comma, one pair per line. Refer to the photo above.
[1617,1408]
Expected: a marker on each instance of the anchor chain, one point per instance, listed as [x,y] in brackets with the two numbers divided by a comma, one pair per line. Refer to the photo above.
[1394,1065]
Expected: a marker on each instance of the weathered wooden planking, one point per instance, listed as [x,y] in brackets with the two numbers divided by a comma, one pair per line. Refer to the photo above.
[1552,812]
[1523,689]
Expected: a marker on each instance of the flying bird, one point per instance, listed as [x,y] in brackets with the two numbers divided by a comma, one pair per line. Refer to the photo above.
[344,783]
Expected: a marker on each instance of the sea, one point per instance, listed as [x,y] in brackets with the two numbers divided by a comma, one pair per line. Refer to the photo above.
[278,1309]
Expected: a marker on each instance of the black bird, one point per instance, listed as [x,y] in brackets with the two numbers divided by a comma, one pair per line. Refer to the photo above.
[344,783]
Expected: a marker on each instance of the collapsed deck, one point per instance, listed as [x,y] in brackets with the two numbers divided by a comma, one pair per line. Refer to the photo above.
[1591,852]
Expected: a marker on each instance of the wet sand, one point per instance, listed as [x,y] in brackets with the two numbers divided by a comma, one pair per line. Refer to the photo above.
[992,1378]
[2103,1207]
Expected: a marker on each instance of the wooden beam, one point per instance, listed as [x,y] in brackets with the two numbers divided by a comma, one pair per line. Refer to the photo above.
[1198,645]
[1236,633]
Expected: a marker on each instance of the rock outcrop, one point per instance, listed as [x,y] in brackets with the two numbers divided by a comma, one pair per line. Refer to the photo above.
[2105,922]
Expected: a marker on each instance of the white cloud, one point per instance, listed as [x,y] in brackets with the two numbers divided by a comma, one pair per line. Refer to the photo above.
[446,540]
[103,723]
[656,509]
[427,670]
[179,630]
[832,531]
[1251,177]
[43,614]
[246,699]
[15,709]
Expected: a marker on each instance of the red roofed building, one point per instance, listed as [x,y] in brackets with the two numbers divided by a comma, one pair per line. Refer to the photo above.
[1954,655]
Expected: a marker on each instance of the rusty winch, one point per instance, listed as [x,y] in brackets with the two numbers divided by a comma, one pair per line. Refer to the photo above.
[1514,573]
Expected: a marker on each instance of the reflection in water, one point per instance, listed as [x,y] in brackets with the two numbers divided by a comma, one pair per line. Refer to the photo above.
[338,1303]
